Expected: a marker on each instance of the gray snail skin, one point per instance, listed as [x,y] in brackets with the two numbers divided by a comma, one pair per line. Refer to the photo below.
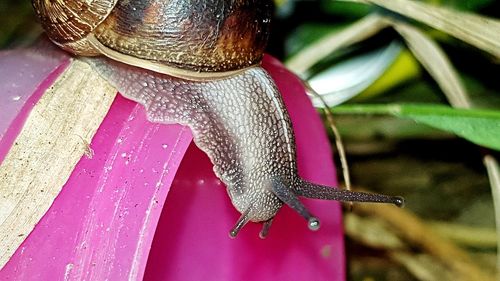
[197,63]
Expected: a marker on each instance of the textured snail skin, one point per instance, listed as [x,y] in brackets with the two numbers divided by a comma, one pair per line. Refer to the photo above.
[240,122]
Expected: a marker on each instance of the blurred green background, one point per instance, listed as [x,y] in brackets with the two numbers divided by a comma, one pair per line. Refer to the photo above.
[441,176]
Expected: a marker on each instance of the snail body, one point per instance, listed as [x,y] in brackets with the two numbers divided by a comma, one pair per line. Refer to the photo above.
[197,63]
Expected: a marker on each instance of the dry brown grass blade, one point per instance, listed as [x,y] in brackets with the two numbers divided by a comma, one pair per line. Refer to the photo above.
[372,232]
[375,233]
[477,237]
[423,267]
[494,175]
[476,30]
[418,233]
[435,61]
[356,32]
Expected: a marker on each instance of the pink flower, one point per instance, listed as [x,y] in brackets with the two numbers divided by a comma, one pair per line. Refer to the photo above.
[113,219]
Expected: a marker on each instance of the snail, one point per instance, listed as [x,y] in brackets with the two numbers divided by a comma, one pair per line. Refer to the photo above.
[197,63]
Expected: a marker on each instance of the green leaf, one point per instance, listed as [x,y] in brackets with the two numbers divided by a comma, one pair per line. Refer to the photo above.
[345,9]
[478,126]
[307,34]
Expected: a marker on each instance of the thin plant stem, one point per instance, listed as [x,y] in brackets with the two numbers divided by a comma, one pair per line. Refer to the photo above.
[338,139]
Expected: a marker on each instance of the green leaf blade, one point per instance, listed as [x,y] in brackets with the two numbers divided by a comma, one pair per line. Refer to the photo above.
[481,127]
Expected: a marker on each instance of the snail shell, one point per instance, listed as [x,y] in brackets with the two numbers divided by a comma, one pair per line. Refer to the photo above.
[68,23]
[197,63]
[188,39]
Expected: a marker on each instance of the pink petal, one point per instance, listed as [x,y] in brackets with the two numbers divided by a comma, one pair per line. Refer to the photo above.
[101,225]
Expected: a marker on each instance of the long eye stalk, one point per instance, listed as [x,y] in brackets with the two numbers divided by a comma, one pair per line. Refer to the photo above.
[316,191]
[290,195]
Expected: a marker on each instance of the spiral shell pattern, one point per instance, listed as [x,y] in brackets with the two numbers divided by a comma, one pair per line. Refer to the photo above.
[209,36]
[67,23]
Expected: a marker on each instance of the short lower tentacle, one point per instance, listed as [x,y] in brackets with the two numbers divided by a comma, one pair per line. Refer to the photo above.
[242,221]
[265,228]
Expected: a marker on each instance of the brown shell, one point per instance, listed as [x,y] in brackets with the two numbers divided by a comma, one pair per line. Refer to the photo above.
[67,23]
[195,36]
[198,35]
